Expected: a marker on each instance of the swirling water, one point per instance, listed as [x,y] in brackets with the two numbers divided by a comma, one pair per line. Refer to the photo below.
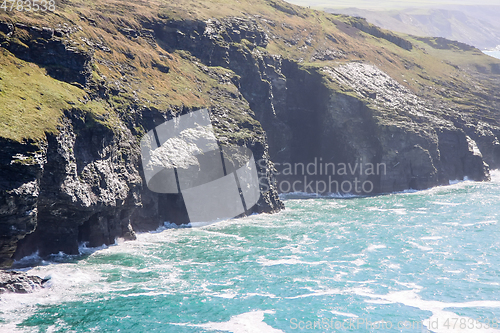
[405,262]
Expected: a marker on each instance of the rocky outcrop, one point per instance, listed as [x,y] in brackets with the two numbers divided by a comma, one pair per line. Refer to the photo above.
[418,148]
[91,190]
[19,282]
[63,58]
[83,182]
[373,121]
[21,167]
[88,190]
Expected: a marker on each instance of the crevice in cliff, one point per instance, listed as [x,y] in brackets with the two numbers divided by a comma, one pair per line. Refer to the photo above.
[292,103]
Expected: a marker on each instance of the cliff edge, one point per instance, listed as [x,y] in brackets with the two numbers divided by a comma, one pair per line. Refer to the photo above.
[302,89]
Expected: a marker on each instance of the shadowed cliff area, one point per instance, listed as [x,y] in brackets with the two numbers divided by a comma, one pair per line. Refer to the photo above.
[81,86]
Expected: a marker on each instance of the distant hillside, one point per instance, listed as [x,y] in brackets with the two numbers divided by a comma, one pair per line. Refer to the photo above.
[473,25]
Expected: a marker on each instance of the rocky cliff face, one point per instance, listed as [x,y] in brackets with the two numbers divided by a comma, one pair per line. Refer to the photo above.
[84,182]
[298,93]
[417,142]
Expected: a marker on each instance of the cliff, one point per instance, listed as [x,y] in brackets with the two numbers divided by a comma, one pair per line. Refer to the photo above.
[80,87]
[474,24]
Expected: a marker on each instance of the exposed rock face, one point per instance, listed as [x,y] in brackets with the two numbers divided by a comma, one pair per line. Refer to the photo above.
[84,182]
[62,58]
[378,121]
[21,167]
[418,148]
[89,188]
[19,282]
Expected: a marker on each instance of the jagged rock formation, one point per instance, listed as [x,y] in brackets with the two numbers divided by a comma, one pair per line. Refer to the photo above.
[19,282]
[274,79]
[383,123]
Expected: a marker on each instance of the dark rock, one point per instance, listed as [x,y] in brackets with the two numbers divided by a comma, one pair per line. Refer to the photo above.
[130,33]
[35,30]
[6,28]
[89,191]
[162,68]
[21,167]
[62,61]
[21,26]
[58,33]
[47,33]
[19,282]
[445,44]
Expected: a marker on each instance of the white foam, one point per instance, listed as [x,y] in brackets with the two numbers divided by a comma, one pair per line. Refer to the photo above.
[446,203]
[216,233]
[489,222]
[455,271]
[64,280]
[166,225]
[249,322]
[204,224]
[289,261]
[421,247]
[378,301]
[431,238]
[495,176]
[318,293]
[30,260]
[225,295]
[440,320]
[269,295]
[359,262]
[343,314]
[374,247]
[84,249]
[306,195]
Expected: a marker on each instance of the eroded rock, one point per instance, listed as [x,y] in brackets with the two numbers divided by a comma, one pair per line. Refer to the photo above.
[19,282]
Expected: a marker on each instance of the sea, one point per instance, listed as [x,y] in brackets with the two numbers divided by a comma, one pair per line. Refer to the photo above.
[415,261]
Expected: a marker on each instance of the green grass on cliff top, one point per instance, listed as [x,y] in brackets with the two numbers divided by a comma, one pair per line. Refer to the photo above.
[31,101]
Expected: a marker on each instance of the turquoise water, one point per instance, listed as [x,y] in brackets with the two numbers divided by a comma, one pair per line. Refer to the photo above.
[409,259]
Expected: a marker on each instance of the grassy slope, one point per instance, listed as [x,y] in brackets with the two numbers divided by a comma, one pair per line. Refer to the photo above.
[388,4]
[186,84]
